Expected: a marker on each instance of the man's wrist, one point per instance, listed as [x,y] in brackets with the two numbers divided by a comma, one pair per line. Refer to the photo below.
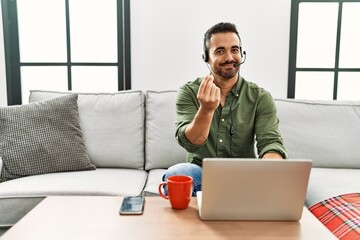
[273,155]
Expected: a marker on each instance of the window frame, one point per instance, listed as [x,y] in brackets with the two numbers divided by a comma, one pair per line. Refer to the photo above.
[293,48]
[12,51]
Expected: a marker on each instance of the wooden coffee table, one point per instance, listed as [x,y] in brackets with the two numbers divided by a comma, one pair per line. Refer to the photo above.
[98,218]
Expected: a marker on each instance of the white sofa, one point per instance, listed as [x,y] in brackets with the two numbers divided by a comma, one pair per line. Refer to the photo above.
[129,136]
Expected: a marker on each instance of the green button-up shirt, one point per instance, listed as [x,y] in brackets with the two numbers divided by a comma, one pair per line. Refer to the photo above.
[249,114]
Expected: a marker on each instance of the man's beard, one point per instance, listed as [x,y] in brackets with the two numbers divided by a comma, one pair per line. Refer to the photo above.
[226,74]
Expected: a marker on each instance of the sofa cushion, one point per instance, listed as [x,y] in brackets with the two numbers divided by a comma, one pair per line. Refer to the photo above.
[161,148]
[325,131]
[42,137]
[325,183]
[153,181]
[112,124]
[19,196]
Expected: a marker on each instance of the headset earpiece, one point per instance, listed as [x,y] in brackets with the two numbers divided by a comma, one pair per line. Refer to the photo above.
[205,56]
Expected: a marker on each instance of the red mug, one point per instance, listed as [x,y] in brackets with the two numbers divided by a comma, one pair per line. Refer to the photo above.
[179,189]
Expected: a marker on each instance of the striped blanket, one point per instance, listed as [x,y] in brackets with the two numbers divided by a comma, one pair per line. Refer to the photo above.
[341,215]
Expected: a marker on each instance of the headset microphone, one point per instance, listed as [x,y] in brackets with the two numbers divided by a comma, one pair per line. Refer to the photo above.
[238,64]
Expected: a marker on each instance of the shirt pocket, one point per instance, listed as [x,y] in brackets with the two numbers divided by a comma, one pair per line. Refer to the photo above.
[243,141]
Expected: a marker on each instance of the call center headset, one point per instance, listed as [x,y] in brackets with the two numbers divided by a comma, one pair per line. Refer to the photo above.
[205,55]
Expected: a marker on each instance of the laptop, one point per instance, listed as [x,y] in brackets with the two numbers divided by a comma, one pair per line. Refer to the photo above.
[253,189]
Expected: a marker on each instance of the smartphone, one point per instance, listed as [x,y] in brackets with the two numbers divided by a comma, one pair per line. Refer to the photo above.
[132,205]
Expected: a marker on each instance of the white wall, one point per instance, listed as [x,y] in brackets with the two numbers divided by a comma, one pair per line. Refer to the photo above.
[167,36]
[3,95]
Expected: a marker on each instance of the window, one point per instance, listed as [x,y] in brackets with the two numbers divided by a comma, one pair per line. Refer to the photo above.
[79,45]
[324,61]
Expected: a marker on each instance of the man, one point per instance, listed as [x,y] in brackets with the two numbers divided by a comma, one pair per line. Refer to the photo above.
[222,114]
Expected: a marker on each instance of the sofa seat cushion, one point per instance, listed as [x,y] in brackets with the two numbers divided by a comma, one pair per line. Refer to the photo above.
[19,196]
[111,123]
[341,215]
[154,179]
[325,183]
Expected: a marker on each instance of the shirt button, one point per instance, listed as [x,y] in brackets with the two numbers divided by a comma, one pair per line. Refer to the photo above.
[220,140]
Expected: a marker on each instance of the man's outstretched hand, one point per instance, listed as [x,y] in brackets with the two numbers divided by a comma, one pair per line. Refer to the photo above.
[208,94]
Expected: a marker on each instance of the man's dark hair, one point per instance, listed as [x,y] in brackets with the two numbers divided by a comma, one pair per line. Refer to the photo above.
[222,27]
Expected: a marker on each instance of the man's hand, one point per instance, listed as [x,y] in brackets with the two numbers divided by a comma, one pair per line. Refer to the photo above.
[208,94]
[209,98]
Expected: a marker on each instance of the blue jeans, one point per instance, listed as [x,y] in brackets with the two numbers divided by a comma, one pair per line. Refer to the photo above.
[188,169]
